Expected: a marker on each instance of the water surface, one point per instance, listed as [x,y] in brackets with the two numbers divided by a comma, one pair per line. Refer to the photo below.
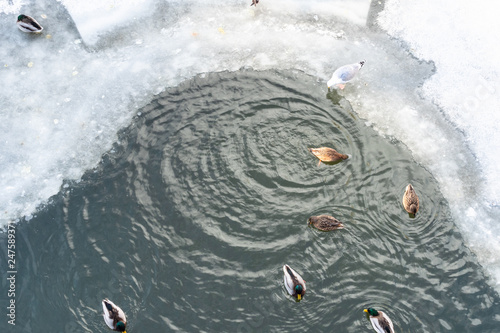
[188,219]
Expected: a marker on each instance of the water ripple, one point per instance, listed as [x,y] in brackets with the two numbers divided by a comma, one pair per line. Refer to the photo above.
[188,221]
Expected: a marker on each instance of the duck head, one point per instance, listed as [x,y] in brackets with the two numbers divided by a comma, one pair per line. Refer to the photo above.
[298,290]
[371,312]
[120,327]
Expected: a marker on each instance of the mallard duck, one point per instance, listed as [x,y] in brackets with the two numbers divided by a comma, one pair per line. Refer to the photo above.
[344,74]
[329,155]
[294,283]
[114,316]
[254,3]
[380,321]
[325,222]
[28,24]
[410,200]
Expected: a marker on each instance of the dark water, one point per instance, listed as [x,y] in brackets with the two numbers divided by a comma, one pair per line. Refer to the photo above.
[188,220]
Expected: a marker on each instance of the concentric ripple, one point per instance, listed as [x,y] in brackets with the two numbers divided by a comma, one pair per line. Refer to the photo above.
[189,219]
[246,161]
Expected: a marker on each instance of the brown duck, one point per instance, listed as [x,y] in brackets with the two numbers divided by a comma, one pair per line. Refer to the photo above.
[325,222]
[328,155]
[410,200]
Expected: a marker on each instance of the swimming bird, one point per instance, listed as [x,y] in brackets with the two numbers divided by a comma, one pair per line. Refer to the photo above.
[410,200]
[114,316]
[329,155]
[380,321]
[325,222]
[254,3]
[294,283]
[28,24]
[344,74]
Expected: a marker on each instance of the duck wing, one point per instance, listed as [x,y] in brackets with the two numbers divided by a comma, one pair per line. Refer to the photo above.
[347,72]
[382,323]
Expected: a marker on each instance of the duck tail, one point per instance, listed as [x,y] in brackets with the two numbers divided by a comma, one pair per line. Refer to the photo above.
[108,306]
[289,271]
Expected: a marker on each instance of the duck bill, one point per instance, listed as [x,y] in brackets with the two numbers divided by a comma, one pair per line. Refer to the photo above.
[299,296]
[365,310]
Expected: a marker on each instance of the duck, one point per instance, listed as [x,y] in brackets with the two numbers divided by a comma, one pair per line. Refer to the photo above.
[380,321]
[254,3]
[328,155]
[344,74]
[294,283]
[114,316]
[325,222]
[28,24]
[410,200]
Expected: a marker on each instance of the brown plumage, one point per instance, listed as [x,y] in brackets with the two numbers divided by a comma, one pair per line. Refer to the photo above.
[325,222]
[328,155]
[410,200]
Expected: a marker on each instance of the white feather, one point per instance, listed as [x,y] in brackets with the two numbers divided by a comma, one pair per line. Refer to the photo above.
[344,74]
[107,319]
